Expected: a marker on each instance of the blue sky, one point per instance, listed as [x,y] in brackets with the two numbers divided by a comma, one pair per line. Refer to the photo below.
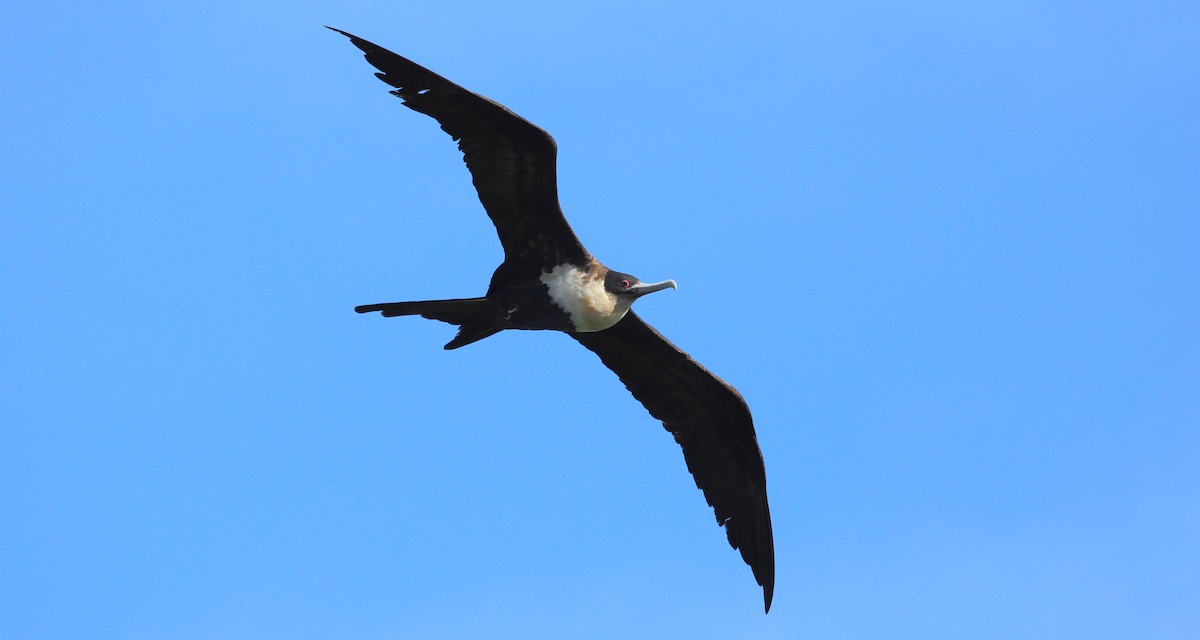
[948,254]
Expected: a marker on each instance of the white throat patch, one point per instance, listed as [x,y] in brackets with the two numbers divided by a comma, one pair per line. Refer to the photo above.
[584,298]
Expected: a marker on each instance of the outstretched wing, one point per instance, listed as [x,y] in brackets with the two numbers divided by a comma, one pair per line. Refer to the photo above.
[512,161]
[712,423]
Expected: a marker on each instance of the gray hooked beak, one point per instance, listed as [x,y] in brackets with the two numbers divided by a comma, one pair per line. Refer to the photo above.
[642,288]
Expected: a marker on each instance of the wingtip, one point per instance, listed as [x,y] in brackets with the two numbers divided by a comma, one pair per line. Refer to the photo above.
[768,584]
[348,35]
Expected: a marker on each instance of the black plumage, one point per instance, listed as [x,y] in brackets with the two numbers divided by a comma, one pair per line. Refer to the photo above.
[548,280]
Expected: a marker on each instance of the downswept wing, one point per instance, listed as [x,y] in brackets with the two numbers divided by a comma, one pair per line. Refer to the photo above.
[511,160]
[712,423]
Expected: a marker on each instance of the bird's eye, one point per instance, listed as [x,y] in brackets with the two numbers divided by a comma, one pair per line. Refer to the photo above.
[624,284]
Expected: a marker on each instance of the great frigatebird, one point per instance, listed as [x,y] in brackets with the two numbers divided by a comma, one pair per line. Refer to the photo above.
[549,281]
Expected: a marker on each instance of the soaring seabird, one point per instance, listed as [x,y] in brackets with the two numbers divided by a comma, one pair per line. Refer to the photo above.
[549,281]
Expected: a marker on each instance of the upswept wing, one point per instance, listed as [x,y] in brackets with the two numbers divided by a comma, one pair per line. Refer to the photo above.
[712,423]
[511,160]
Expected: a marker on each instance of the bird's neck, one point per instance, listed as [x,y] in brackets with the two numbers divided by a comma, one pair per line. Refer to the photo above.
[580,292]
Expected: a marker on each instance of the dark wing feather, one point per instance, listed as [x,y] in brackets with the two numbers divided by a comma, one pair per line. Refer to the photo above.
[512,161]
[712,423]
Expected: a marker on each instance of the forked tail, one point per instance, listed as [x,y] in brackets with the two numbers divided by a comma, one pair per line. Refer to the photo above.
[476,317]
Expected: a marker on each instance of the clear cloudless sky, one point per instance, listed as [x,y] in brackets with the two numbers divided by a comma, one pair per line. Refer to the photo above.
[949,252]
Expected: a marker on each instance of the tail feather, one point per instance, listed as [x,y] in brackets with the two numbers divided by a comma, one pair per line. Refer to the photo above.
[453,311]
[475,317]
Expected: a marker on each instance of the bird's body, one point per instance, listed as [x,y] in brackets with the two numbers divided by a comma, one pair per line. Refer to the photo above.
[568,297]
[548,281]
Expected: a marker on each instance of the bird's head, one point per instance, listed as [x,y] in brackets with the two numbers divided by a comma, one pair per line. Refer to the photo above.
[627,287]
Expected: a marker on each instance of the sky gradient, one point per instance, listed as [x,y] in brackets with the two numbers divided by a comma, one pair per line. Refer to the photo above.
[948,254]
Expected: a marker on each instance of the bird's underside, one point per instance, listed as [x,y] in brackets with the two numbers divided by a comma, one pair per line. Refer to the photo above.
[549,281]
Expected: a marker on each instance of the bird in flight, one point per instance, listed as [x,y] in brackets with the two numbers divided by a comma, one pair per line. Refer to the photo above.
[549,281]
